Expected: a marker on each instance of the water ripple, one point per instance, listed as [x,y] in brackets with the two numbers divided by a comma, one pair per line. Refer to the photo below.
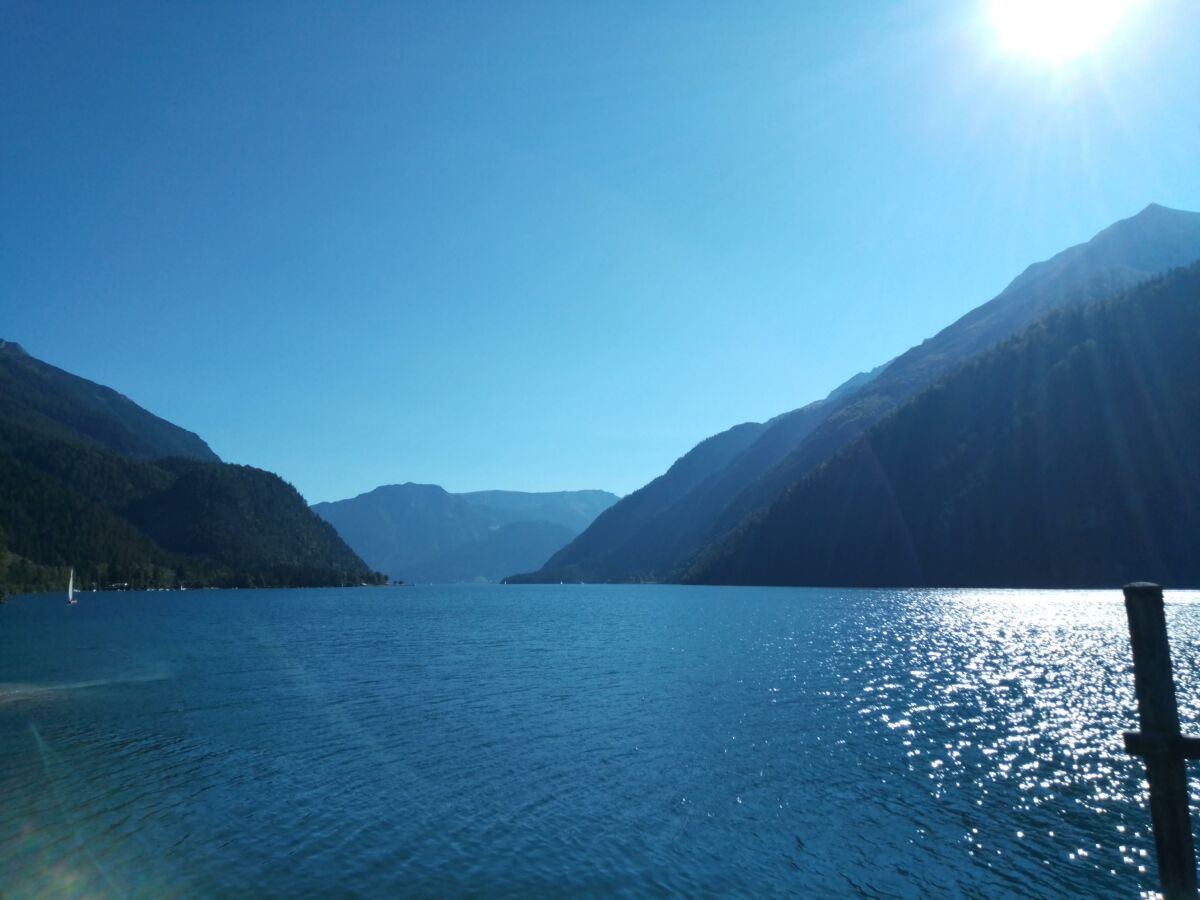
[562,740]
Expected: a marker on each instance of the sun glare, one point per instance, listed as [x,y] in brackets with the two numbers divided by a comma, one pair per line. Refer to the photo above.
[1055,30]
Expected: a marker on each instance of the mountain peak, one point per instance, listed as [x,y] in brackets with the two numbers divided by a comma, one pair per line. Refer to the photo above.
[47,399]
[1156,209]
[1153,215]
[409,488]
[1160,213]
[421,532]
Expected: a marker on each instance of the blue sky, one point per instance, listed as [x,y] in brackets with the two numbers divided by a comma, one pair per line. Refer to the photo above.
[542,246]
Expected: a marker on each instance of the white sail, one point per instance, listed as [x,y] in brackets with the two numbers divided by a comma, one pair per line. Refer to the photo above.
[71,587]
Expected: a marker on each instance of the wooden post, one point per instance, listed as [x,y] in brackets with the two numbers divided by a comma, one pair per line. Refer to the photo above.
[1160,741]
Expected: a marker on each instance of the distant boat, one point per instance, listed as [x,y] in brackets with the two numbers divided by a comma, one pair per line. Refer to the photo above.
[71,587]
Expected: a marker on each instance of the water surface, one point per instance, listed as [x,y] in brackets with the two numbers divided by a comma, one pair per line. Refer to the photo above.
[549,740]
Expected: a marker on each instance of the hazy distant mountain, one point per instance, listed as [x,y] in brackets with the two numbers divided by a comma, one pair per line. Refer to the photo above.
[573,510]
[421,532]
[667,519]
[658,542]
[520,545]
[1068,457]
[155,513]
[47,399]
[590,552]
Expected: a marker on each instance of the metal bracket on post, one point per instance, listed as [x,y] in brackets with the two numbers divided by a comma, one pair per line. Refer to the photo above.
[1160,742]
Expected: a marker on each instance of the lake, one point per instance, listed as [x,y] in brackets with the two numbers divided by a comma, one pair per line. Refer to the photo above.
[550,740]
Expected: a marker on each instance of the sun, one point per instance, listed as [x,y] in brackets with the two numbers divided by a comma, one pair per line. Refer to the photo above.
[1055,30]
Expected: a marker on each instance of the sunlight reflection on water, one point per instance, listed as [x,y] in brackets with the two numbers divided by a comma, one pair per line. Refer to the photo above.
[1017,699]
[555,740]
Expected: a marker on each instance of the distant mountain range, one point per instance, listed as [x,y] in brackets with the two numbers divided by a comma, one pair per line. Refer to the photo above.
[1048,437]
[687,520]
[422,533]
[90,480]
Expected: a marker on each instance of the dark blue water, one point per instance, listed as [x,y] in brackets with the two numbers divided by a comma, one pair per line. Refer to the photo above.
[561,740]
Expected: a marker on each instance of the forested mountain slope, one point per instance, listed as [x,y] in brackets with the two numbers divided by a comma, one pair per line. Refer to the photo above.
[1068,457]
[635,540]
[1124,254]
[47,399]
[67,499]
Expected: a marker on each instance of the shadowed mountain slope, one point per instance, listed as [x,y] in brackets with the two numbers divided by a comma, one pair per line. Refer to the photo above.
[47,399]
[1068,457]
[68,499]
[599,549]
[656,541]
[1124,254]
[500,550]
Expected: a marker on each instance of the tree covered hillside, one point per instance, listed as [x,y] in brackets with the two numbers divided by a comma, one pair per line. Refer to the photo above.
[652,533]
[1069,456]
[47,399]
[67,500]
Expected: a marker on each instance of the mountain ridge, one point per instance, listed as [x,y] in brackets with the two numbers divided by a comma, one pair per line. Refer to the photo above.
[1065,457]
[1157,239]
[91,481]
[51,399]
[422,532]
[1117,257]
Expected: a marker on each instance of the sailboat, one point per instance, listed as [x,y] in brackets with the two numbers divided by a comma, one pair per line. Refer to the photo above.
[71,587]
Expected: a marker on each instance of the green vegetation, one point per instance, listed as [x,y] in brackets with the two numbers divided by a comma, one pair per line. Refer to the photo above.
[654,533]
[49,400]
[1066,457]
[70,500]
[157,524]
